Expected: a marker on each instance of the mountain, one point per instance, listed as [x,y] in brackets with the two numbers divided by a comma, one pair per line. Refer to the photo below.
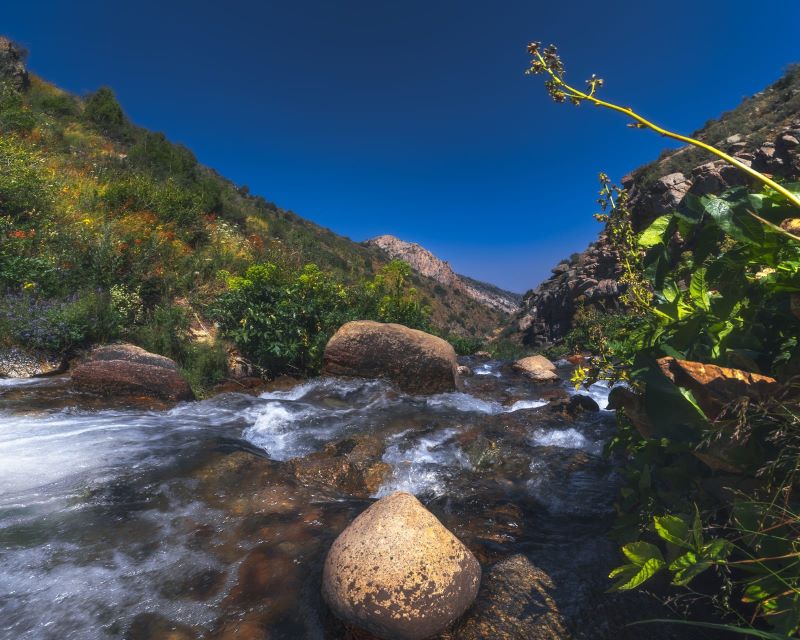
[428,265]
[90,201]
[763,131]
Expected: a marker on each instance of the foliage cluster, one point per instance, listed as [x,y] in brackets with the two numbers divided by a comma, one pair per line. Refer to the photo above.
[711,497]
[282,320]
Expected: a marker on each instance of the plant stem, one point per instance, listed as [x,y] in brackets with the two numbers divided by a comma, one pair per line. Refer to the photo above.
[795,200]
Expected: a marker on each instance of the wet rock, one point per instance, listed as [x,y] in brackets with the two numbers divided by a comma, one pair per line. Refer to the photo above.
[417,361]
[243,484]
[124,369]
[483,355]
[398,573]
[633,405]
[151,626]
[714,387]
[514,603]
[574,405]
[464,371]
[352,465]
[537,369]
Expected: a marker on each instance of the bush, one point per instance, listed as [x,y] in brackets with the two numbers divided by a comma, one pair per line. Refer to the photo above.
[166,332]
[102,110]
[465,346]
[59,326]
[282,320]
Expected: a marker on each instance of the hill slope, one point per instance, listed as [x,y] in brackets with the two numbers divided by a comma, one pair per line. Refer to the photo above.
[90,200]
[427,264]
[763,131]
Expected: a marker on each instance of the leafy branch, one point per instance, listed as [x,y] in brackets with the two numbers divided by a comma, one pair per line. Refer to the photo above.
[547,61]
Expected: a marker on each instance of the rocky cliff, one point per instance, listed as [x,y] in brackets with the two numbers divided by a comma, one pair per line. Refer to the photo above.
[427,264]
[763,132]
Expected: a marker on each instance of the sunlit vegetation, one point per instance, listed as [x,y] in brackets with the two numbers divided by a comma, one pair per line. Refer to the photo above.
[95,211]
[710,500]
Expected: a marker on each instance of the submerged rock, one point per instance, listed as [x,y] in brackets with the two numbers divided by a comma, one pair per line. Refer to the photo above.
[417,361]
[352,465]
[398,573]
[514,603]
[537,368]
[122,369]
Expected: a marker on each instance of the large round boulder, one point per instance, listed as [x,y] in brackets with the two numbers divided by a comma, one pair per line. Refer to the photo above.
[124,369]
[398,573]
[417,361]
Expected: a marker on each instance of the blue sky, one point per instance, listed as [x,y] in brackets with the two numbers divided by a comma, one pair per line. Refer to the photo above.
[414,118]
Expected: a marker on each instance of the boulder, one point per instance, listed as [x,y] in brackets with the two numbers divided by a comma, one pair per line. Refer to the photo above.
[714,387]
[398,573]
[537,368]
[514,603]
[124,369]
[417,361]
[464,371]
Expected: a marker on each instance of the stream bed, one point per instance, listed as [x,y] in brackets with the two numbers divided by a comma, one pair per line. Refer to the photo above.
[212,519]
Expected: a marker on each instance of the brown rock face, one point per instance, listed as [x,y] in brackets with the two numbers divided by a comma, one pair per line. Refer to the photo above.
[417,361]
[12,64]
[514,603]
[714,386]
[537,368]
[125,369]
[398,573]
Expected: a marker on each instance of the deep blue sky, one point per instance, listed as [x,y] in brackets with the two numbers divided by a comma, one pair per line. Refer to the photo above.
[414,118]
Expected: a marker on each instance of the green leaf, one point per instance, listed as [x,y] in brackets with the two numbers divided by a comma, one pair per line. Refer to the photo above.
[673,529]
[640,552]
[644,573]
[718,549]
[686,567]
[654,234]
[698,289]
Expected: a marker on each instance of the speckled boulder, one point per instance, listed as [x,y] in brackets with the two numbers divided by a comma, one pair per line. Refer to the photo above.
[125,369]
[417,361]
[398,573]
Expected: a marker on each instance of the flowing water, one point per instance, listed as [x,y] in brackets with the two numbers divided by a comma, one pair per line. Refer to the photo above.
[211,516]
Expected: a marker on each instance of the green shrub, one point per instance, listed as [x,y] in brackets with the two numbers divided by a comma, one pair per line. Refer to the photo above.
[282,320]
[465,346]
[102,110]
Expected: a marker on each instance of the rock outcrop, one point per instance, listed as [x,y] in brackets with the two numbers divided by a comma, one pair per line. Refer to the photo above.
[398,573]
[762,132]
[12,64]
[125,369]
[427,264]
[417,361]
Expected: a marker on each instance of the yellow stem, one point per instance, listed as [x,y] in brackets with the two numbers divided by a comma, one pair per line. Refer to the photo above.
[669,134]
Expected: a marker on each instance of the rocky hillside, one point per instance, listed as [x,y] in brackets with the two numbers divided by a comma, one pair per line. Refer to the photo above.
[428,265]
[89,200]
[763,131]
